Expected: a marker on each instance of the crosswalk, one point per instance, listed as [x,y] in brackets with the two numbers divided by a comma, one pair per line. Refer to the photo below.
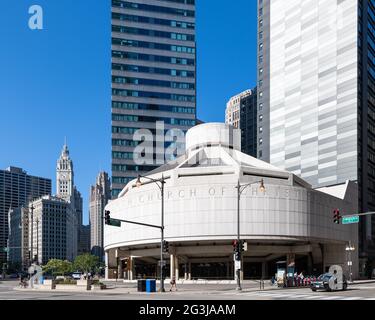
[297,296]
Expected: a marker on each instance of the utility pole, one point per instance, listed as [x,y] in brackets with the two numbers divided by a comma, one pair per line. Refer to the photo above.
[117,222]
[238,250]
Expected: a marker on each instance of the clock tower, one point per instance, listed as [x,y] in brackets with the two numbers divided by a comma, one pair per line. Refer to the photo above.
[65,176]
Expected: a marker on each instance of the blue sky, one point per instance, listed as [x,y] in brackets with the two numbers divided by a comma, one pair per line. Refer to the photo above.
[56,82]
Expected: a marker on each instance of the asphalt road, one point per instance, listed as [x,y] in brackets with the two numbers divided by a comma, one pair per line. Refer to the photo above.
[212,292]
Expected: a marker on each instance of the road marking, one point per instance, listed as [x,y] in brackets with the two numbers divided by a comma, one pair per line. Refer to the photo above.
[352,298]
[315,297]
[370,299]
[332,298]
[272,295]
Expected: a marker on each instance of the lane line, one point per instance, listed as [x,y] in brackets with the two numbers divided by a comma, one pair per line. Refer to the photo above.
[332,298]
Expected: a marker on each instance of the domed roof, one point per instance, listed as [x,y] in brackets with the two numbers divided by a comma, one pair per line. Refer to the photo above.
[215,147]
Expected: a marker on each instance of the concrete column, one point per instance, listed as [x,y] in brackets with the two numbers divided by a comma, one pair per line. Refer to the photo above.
[186,276]
[176,268]
[264,270]
[172,267]
[290,259]
[242,272]
[106,260]
[131,269]
[189,273]
[309,264]
[119,269]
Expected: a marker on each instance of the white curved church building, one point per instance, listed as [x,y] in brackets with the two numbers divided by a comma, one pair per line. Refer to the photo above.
[288,222]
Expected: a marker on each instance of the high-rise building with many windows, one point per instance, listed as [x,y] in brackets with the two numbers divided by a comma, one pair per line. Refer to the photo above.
[241,112]
[100,194]
[316,85]
[17,188]
[153,79]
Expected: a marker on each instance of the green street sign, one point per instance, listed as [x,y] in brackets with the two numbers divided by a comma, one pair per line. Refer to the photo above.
[115,223]
[350,220]
[6,249]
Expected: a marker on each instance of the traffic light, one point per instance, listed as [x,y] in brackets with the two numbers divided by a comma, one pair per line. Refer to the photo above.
[235,246]
[242,246]
[237,249]
[107,218]
[238,255]
[336,216]
[166,246]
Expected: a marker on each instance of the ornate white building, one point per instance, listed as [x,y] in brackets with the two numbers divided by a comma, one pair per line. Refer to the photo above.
[290,221]
[67,191]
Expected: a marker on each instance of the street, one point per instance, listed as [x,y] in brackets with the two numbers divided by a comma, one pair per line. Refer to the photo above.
[120,291]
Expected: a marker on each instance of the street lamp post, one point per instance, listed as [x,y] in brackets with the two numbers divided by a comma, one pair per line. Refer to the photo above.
[161,187]
[240,189]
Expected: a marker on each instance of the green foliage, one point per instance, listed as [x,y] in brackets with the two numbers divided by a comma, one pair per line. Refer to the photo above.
[86,263]
[66,282]
[58,267]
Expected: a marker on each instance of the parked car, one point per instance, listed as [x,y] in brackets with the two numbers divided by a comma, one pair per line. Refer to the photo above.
[76,275]
[14,276]
[322,283]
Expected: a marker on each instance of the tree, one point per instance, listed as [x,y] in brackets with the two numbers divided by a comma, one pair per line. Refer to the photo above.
[86,263]
[58,267]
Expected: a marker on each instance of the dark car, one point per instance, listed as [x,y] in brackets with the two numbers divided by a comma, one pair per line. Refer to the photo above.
[322,283]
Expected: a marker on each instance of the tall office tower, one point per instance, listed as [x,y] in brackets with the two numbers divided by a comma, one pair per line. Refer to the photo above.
[318,76]
[100,194]
[84,240]
[50,223]
[263,85]
[153,79]
[241,112]
[18,242]
[65,176]
[66,190]
[16,189]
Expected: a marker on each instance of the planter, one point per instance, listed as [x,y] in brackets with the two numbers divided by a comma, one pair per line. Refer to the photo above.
[98,287]
[68,287]
[48,284]
[84,284]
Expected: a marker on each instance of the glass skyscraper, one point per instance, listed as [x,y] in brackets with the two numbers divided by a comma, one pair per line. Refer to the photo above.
[153,79]
[317,92]
[241,112]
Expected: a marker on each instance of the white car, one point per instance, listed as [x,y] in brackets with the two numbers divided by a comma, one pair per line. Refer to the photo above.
[76,275]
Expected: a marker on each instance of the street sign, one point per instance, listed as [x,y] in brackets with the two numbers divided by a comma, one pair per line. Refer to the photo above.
[115,223]
[350,219]
[6,249]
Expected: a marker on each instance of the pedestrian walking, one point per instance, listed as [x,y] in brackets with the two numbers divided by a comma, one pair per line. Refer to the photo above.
[173,284]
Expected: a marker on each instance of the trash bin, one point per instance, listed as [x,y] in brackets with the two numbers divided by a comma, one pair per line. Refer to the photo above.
[150,285]
[141,285]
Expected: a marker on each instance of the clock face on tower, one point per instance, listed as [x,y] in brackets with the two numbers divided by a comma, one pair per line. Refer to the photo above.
[64,176]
